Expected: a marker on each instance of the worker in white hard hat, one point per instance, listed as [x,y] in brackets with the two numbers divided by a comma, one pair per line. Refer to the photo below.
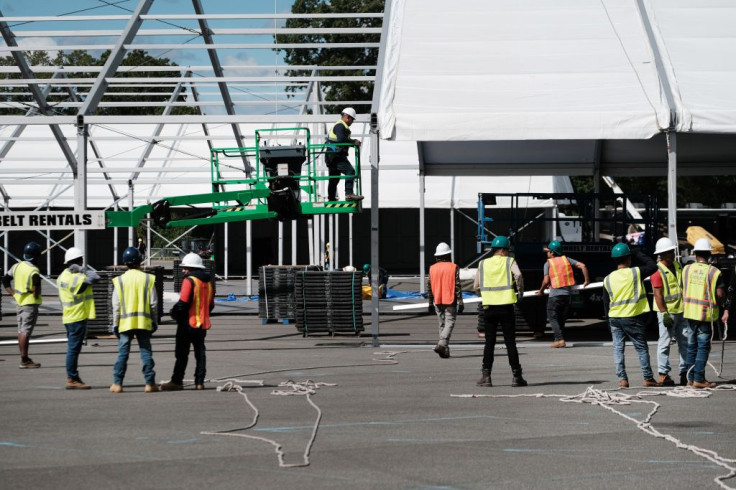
[667,286]
[703,290]
[444,294]
[336,156]
[78,306]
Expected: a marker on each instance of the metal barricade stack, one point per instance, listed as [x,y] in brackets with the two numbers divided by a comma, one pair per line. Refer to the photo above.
[329,302]
[276,291]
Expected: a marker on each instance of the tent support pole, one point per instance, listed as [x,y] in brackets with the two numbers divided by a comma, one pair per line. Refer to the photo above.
[422,281]
[672,187]
[375,268]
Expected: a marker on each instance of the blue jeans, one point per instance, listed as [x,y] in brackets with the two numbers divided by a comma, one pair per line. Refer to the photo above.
[635,329]
[698,349]
[144,343]
[75,334]
[680,331]
[337,163]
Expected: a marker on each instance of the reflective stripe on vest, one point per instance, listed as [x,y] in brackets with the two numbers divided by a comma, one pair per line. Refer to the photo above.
[626,292]
[75,307]
[671,287]
[496,281]
[199,309]
[134,291]
[332,137]
[699,291]
[560,272]
[442,279]
[23,273]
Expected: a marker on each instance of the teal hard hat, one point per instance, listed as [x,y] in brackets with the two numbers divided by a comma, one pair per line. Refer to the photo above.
[500,242]
[554,246]
[366,268]
[620,250]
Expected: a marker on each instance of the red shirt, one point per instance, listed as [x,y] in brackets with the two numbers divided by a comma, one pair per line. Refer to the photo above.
[656,280]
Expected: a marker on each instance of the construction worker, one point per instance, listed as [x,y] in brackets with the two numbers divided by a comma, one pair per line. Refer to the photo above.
[559,277]
[134,307]
[336,156]
[445,295]
[667,287]
[192,315]
[23,282]
[703,290]
[382,279]
[78,306]
[625,301]
[495,281]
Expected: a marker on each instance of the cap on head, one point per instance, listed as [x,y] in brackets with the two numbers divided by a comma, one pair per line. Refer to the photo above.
[31,251]
[554,247]
[350,112]
[366,268]
[620,250]
[131,256]
[500,242]
[702,245]
[192,261]
[73,253]
[442,249]
[663,245]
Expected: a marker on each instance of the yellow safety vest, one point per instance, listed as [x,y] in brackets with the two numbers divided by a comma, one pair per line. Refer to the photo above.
[699,291]
[332,137]
[497,281]
[75,306]
[671,287]
[626,292]
[23,273]
[134,292]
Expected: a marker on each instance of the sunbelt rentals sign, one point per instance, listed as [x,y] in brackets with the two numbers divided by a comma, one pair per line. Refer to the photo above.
[52,220]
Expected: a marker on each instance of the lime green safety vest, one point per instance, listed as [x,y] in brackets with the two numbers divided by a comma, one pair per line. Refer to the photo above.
[134,292]
[23,273]
[626,292]
[671,287]
[332,137]
[497,281]
[699,291]
[75,306]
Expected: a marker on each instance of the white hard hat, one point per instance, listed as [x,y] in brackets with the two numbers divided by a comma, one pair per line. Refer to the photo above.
[442,249]
[702,245]
[663,245]
[192,261]
[348,268]
[350,112]
[72,253]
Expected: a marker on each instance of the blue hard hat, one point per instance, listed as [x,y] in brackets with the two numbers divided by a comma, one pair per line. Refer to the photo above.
[500,242]
[31,251]
[131,256]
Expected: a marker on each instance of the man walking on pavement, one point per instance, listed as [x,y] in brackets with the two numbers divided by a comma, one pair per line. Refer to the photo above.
[559,277]
[192,315]
[667,287]
[445,295]
[625,302]
[495,281]
[702,290]
[134,314]
[78,306]
[23,282]
[336,156]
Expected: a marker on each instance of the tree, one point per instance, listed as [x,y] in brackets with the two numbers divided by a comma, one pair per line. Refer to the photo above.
[361,91]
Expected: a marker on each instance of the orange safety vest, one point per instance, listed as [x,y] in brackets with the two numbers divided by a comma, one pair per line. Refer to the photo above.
[560,272]
[199,307]
[442,279]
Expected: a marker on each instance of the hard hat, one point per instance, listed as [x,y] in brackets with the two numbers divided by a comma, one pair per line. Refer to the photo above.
[554,246]
[366,268]
[500,242]
[131,256]
[620,250]
[348,268]
[702,245]
[140,239]
[442,249]
[72,253]
[192,261]
[31,251]
[663,245]
[350,112]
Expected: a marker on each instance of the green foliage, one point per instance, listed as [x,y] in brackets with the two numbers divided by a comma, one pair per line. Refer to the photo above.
[360,91]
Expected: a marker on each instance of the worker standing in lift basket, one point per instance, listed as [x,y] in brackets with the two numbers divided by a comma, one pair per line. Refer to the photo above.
[702,290]
[625,302]
[445,296]
[559,277]
[667,287]
[336,156]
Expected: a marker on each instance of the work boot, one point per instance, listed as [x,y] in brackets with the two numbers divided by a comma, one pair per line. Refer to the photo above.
[76,384]
[518,379]
[683,379]
[665,380]
[624,383]
[114,388]
[650,383]
[353,197]
[703,384]
[442,351]
[199,387]
[172,386]
[558,343]
[28,363]
[150,389]
[485,379]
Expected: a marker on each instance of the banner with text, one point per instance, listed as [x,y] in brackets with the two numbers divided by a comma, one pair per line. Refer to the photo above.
[52,220]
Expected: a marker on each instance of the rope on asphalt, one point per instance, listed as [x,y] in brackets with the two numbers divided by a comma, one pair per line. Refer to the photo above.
[611,399]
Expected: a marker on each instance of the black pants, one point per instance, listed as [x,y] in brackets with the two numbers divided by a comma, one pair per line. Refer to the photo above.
[503,315]
[557,307]
[337,164]
[186,336]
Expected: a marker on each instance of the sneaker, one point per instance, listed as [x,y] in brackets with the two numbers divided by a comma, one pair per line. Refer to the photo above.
[150,389]
[665,380]
[353,197]
[650,383]
[114,388]
[624,383]
[29,364]
[171,386]
[703,384]
[76,384]
[199,387]
[558,344]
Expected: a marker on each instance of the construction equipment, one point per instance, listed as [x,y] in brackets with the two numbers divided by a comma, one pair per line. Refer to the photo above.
[697,233]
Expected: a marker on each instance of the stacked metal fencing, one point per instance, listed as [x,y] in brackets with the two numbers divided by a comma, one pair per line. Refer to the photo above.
[276,291]
[329,302]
